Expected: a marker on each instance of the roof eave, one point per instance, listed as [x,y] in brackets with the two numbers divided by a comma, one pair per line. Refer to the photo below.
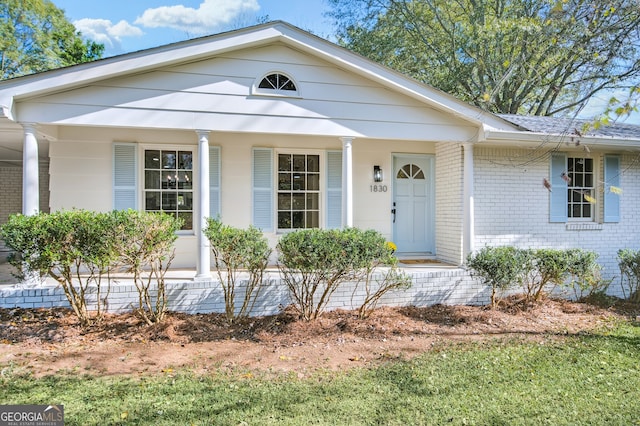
[529,139]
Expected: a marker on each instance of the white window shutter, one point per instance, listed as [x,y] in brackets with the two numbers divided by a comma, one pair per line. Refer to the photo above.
[214,182]
[558,195]
[611,178]
[262,182]
[334,189]
[125,176]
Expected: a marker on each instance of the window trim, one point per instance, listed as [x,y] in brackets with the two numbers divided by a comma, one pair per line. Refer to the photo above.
[142,147]
[256,90]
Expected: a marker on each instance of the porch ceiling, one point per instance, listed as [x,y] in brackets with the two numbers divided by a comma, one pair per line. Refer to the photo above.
[11,142]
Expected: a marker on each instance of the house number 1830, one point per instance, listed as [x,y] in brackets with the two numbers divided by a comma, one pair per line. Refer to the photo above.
[378,188]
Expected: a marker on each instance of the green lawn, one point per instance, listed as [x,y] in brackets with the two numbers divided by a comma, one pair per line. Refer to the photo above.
[590,379]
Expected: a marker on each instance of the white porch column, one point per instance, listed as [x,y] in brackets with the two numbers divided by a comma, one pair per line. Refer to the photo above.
[347,182]
[468,225]
[30,171]
[203,265]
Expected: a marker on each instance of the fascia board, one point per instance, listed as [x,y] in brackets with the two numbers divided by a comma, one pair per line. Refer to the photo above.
[528,139]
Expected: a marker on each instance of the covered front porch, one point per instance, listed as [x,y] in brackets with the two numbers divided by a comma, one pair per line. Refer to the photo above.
[227,184]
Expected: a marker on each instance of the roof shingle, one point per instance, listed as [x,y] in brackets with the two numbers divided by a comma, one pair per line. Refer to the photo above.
[571,126]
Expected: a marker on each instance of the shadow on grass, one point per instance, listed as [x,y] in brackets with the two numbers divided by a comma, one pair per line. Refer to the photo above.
[478,383]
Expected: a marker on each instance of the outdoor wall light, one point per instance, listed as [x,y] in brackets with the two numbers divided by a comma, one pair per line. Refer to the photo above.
[377,174]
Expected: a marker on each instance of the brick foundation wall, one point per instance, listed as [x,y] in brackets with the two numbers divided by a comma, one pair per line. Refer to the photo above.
[447,286]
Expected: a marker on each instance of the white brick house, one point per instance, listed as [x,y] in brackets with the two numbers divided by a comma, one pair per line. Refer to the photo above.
[274,127]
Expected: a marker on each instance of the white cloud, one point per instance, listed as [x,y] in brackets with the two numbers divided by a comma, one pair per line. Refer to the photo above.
[105,32]
[209,15]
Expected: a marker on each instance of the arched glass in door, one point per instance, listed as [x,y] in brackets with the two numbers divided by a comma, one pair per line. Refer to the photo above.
[410,171]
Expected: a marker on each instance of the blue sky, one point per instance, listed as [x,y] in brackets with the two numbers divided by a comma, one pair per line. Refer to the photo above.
[129,25]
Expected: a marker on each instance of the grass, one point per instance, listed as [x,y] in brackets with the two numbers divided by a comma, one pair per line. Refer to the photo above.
[589,379]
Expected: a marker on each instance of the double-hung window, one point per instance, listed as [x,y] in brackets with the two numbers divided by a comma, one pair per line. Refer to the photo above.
[298,191]
[581,195]
[168,183]
[584,189]
[161,179]
[294,189]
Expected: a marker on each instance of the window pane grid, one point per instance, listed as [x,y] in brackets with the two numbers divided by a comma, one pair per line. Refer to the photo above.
[168,183]
[298,191]
[580,184]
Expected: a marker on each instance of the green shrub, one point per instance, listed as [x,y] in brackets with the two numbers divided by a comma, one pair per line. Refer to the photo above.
[584,270]
[499,267]
[27,237]
[544,267]
[236,250]
[144,243]
[74,247]
[536,270]
[313,263]
[629,263]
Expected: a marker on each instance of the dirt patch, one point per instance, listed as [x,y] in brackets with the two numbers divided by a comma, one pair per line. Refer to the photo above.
[50,341]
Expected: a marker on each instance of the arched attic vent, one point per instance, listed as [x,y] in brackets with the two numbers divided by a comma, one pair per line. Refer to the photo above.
[276,83]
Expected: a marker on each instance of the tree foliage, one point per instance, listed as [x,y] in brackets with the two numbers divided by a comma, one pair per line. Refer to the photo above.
[36,36]
[539,57]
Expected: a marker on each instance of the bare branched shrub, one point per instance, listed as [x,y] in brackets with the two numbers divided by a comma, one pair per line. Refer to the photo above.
[238,252]
[144,242]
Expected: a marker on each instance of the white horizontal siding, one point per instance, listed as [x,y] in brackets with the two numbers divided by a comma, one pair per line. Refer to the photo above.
[219,91]
[347,109]
[80,176]
[160,119]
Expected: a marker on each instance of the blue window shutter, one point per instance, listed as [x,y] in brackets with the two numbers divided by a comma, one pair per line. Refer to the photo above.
[334,189]
[558,194]
[125,176]
[262,180]
[214,182]
[611,178]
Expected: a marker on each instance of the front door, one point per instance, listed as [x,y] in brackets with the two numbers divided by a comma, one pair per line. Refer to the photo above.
[413,201]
